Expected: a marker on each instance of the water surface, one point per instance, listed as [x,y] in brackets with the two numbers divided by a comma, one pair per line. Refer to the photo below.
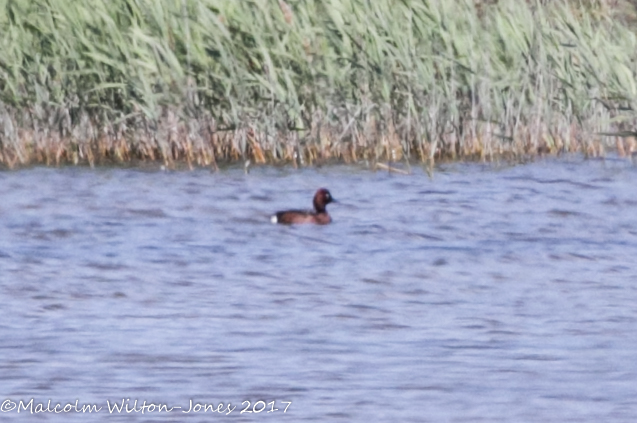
[485,294]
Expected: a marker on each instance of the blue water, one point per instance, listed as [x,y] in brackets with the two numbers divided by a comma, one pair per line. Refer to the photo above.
[489,293]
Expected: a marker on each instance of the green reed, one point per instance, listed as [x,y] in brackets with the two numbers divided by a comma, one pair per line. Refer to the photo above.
[204,81]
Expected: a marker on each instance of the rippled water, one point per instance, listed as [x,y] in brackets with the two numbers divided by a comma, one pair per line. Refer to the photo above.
[486,294]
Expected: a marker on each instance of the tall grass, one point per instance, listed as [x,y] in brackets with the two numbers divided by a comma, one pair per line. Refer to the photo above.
[207,81]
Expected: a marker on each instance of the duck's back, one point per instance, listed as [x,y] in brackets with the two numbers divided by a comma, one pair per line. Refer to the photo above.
[291,217]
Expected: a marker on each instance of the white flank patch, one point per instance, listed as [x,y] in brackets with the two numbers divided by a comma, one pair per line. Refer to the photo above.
[274,220]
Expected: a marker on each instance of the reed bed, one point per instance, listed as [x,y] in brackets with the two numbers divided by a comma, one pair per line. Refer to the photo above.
[202,82]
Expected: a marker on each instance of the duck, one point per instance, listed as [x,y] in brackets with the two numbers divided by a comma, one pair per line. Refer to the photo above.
[318,217]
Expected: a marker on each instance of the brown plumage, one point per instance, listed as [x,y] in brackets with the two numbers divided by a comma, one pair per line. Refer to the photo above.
[319,216]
